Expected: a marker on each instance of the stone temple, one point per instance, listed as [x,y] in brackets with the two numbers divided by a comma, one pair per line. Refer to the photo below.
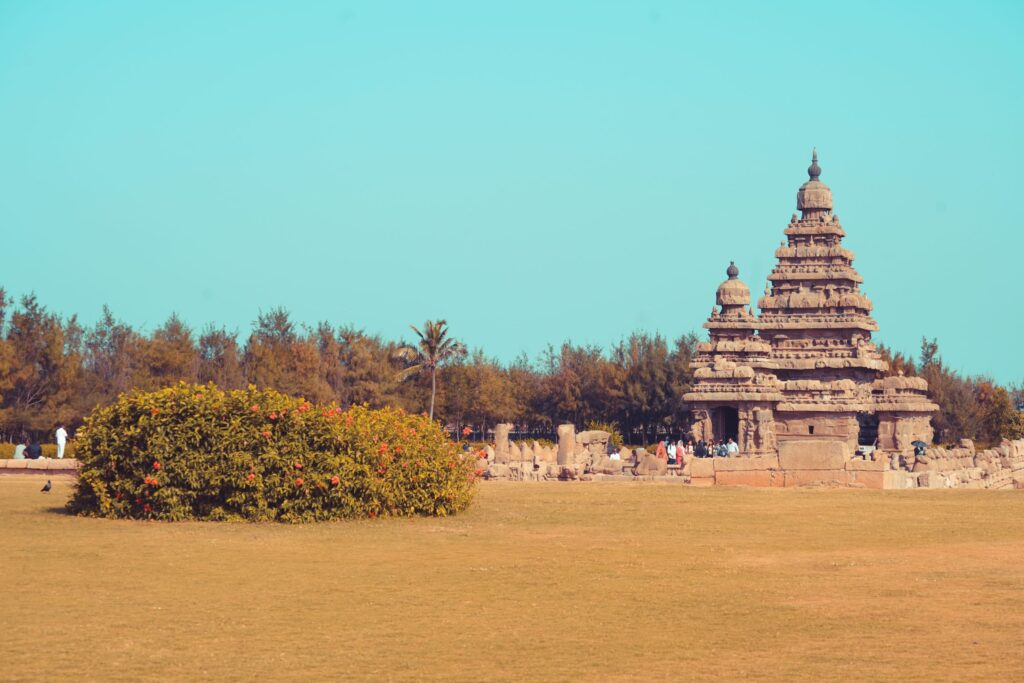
[803,374]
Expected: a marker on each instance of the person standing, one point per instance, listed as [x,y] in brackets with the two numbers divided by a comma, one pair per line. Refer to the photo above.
[671,453]
[732,448]
[62,440]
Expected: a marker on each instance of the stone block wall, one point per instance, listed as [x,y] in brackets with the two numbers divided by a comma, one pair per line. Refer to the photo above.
[50,466]
[966,467]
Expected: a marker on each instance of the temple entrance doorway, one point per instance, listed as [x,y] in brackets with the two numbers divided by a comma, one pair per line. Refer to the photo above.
[868,429]
[725,421]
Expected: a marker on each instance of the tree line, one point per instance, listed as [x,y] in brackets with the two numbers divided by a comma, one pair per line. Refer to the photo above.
[54,370]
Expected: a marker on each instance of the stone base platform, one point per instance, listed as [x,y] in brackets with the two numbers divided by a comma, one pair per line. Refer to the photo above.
[49,466]
[825,463]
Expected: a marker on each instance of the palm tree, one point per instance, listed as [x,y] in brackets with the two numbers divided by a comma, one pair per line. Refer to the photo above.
[434,348]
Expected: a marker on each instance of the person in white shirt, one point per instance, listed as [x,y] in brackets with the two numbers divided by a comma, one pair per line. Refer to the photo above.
[62,439]
[732,447]
[671,453]
[19,452]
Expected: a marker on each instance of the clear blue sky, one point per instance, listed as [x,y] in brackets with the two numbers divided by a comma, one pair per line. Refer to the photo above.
[531,171]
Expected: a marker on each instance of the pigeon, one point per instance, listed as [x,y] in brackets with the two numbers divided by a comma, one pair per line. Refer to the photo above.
[49,485]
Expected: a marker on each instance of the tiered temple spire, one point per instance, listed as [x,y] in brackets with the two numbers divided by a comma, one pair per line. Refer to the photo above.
[806,366]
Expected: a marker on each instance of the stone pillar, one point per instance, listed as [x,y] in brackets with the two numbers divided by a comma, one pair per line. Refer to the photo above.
[566,444]
[501,450]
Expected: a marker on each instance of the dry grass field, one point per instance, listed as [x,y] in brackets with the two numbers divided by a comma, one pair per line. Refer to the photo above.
[536,582]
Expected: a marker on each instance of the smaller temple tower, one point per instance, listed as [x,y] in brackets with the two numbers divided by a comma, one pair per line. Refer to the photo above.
[735,391]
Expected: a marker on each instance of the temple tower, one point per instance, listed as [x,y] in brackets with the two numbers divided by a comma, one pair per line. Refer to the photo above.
[819,325]
[809,368]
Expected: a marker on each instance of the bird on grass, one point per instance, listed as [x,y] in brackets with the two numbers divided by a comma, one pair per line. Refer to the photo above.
[47,487]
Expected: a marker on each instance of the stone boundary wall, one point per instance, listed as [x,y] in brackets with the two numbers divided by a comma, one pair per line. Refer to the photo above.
[587,456]
[964,467]
[801,464]
[51,466]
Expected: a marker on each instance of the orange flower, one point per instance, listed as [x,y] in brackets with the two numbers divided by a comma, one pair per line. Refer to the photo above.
[451,466]
[153,411]
[372,514]
[466,431]
[383,448]
[266,434]
[251,476]
[273,416]
[146,508]
[298,465]
[298,481]
[335,480]
[157,466]
[255,409]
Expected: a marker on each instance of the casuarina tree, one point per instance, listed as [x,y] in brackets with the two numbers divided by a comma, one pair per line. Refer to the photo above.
[434,348]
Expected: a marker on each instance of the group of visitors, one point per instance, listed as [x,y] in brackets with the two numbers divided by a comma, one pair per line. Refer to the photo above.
[673,451]
[716,449]
[33,450]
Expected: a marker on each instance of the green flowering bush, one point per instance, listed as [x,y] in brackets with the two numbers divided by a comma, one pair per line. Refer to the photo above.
[197,452]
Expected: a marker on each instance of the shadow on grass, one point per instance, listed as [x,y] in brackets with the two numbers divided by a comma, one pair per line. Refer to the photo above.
[59,510]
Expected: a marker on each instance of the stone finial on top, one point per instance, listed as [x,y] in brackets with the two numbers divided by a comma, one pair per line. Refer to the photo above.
[813,194]
[814,171]
[732,294]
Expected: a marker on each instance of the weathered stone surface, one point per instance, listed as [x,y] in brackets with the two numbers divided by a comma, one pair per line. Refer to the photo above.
[566,443]
[651,465]
[607,466]
[931,480]
[867,465]
[526,452]
[838,477]
[760,477]
[703,468]
[812,455]
[741,464]
[501,448]
[498,471]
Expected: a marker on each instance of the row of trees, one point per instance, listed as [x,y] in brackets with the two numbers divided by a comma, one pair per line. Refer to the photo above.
[55,370]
